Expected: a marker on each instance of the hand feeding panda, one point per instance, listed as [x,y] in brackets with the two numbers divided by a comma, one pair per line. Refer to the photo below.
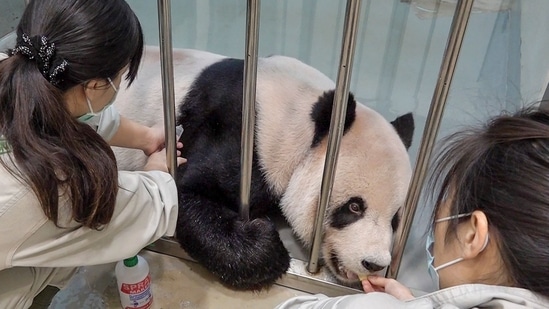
[293,107]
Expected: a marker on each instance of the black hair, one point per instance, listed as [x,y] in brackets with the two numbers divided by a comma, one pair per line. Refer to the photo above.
[53,152]
[502,169]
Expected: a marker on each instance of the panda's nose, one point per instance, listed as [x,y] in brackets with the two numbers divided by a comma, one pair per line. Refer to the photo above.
[372,267]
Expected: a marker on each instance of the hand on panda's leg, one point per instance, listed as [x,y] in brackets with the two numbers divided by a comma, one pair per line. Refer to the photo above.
[155,140]
[389,286]
[157,161]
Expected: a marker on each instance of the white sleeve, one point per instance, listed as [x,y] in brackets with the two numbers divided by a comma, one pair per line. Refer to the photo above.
[355,301]
[146,209]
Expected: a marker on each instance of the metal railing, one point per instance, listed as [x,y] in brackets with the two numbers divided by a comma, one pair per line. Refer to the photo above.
[337,122]
[446,73]
[248,106]
[305,276]
[168,93]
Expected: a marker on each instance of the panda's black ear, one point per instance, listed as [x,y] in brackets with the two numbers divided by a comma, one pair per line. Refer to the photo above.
[321,114]
[404,125]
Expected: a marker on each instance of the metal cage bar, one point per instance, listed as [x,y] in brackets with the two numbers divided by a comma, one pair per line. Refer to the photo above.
[248,106]
[168,93]
[337,122]
[304,276]
[449,61]
[545,99]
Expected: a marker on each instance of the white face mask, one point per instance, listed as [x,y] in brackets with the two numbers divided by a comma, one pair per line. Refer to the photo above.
[91,114]
[433,271]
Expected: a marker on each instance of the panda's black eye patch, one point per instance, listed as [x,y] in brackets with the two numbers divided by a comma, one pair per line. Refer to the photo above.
[348,213]
[395,222]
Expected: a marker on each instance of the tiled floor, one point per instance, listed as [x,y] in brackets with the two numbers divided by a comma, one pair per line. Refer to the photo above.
[176,283]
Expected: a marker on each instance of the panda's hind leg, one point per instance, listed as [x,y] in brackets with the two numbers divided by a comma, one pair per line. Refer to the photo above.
[244,255]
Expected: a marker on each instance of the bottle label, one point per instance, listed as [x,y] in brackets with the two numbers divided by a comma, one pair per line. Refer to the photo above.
[139,294]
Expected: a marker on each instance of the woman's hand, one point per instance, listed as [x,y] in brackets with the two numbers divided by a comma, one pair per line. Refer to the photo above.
[157,161]
[155,140]
[389,286]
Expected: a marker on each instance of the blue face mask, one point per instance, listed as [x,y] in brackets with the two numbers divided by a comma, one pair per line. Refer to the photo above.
[433,271]
[91,114]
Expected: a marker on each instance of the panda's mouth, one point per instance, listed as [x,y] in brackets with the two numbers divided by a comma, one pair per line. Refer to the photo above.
[341,271]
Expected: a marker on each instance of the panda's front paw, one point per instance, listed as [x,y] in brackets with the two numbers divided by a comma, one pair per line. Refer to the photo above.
[244,255]
[256,258]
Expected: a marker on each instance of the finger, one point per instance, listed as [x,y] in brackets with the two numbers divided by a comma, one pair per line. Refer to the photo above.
[159,152]
[378,281]
[179,145]
[181,160]
[179,153]
[367,286]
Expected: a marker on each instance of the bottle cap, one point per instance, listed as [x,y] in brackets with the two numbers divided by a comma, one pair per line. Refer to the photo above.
[131,262]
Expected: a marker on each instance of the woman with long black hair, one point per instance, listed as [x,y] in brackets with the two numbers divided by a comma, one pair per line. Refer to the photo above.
[63,203]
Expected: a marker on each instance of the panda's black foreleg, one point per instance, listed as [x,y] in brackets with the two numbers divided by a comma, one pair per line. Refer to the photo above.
[245,255]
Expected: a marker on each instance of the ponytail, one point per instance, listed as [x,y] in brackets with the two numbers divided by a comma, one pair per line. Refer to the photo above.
[54,154]
[62,44]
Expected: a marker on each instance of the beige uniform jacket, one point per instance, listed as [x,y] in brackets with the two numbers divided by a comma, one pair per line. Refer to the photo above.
[34,252]
[458,297]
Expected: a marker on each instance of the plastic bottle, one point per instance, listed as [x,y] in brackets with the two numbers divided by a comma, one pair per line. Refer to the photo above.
[134,283]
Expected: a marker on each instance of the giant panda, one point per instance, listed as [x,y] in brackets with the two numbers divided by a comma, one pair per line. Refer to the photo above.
[293,110]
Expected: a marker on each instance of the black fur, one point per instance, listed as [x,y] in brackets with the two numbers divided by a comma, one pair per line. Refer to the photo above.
[322,113]
[344,216]
[244,255]
[404,125]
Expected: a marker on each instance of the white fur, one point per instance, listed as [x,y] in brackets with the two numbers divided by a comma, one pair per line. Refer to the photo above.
[373,162]
[289,86]
[143,100]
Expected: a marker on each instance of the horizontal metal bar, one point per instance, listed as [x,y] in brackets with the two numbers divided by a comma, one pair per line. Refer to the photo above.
[297,277]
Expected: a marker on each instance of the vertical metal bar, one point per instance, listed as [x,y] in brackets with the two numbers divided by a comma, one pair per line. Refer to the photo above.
[440,95]
[513,91]
[336,125]
[392,54]
[248,106]
[166,62]
[545,99]
[425,57]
